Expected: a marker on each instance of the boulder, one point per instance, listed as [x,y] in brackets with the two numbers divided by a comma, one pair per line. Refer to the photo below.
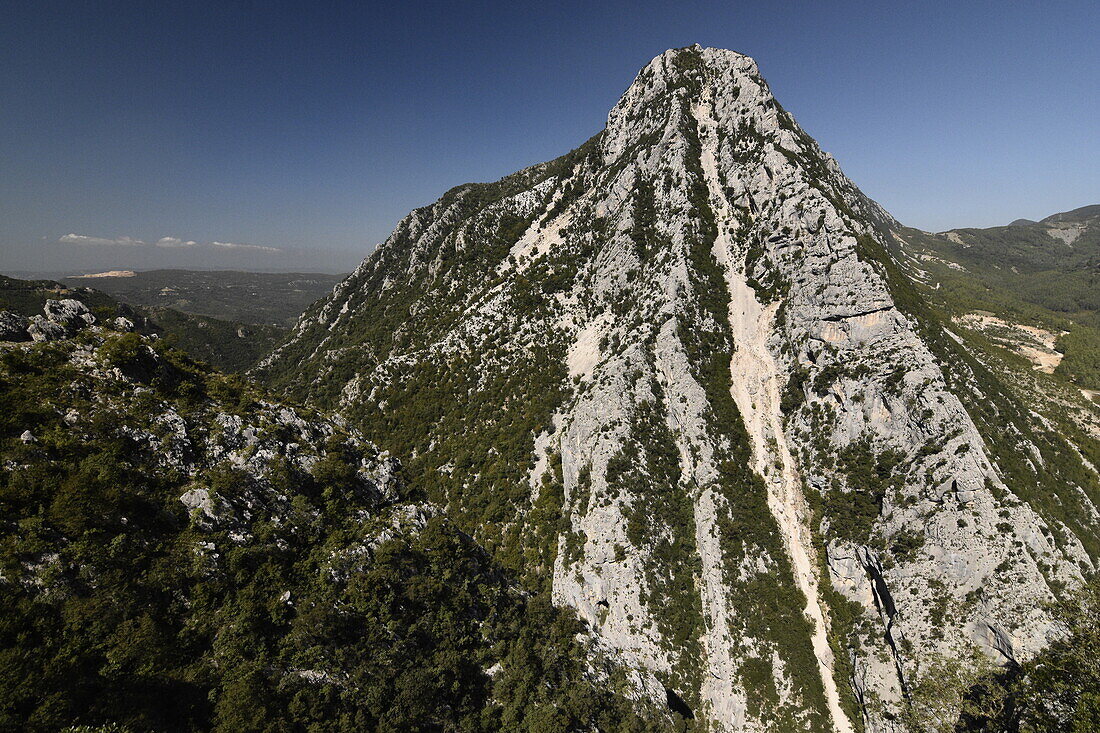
[200,500]
[123,324]
[71,314]
[41,328]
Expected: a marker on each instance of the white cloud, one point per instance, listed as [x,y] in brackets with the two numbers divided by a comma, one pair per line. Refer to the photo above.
[85,239]
[254,247]
[165,242]
[175,242]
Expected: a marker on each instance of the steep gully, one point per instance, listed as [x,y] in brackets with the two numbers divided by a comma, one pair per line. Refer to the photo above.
[756,391]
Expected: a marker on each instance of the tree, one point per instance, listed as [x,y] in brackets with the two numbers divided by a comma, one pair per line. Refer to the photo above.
[1060,687]
[957,694]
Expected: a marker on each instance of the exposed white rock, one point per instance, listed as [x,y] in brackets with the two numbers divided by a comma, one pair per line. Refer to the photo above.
[72,314]
[199,500]
[1068,235]
[41,328]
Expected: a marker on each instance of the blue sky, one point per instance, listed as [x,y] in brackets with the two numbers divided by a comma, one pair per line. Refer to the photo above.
[312,128]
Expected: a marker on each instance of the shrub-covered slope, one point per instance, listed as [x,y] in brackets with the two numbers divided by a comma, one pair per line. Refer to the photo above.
[676,380]
[228,346]
[180,552]
[1044,274]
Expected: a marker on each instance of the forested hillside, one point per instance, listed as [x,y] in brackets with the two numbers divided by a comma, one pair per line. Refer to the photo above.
[1042,274]
[180,552]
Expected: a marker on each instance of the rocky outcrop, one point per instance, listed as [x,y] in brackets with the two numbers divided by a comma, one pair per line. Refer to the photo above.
[62,318]
[677,377]
[71,314]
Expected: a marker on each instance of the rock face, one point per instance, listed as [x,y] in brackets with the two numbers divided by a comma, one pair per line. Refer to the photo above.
[676,379]
[62,318]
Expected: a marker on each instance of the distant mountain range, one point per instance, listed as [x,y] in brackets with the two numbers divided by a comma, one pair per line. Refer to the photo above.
[275,299]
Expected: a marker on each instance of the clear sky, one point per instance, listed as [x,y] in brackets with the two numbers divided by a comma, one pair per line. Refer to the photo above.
[312,127]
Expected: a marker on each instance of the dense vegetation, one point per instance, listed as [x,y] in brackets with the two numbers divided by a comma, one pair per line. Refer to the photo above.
[228,346]
[304,594]
[1060,688]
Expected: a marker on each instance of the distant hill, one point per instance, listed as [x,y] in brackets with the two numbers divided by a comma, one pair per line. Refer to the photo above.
[1039,274]
[227,345]
[247,297]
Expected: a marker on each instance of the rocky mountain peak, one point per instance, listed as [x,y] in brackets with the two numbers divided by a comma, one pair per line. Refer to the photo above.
[676,379]
[669,85]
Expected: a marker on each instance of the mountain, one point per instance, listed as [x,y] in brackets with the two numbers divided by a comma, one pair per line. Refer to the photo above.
[229,346]
[683,381]
[181,552]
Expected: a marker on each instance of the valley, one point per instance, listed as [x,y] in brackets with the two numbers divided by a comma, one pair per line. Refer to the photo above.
[230,346]
[256,298]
